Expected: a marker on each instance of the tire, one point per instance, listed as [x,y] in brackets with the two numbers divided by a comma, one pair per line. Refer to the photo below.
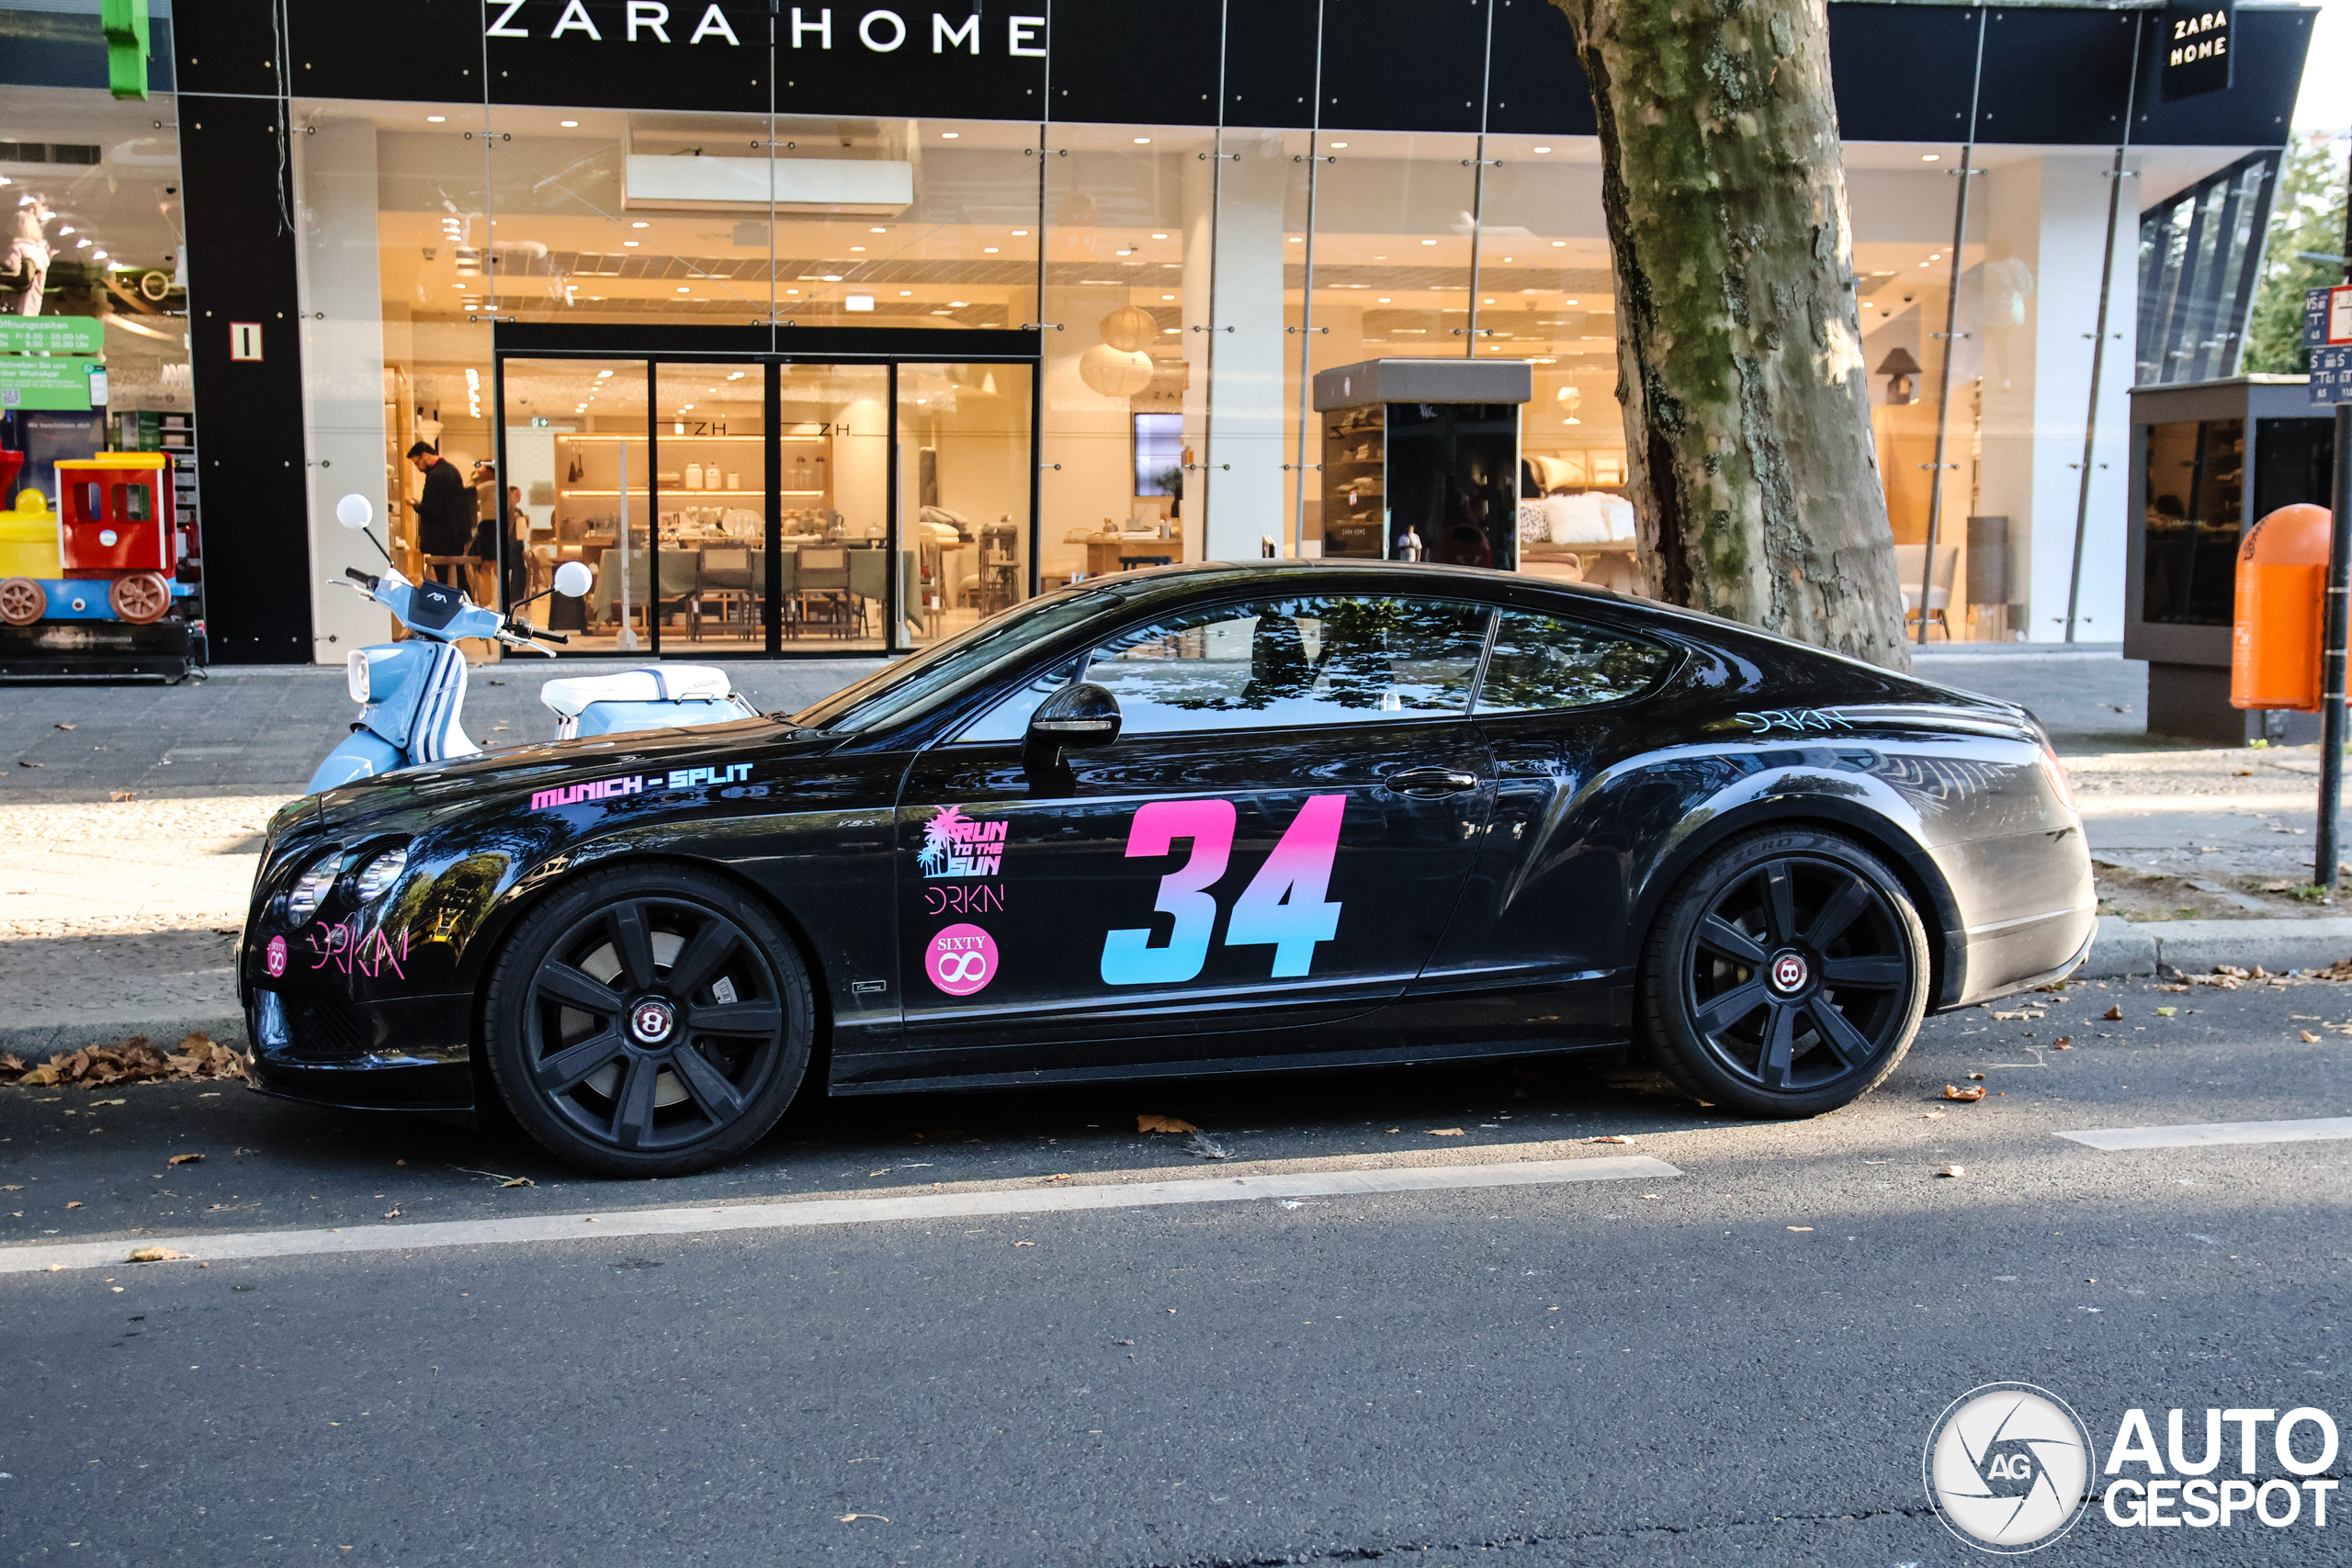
[22,600]
[669,1061]
[1784,975]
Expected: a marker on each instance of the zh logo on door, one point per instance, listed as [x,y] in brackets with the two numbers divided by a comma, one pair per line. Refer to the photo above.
[1284,906]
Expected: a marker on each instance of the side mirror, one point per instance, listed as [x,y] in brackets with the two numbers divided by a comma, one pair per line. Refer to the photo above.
[573,579]
[1082,715]
[353,512]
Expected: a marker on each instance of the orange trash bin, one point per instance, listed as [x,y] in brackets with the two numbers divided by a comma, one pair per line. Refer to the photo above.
[2281,597]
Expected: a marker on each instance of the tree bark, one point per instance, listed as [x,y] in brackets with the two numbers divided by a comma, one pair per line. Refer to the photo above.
[1747,422]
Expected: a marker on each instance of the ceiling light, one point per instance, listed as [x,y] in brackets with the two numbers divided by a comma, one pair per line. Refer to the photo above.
[1380,258]
[640,223]
[1143,141]
[1168,297]
[1159,236]
[1386,301]
[569,124]
[792,291]
[1567,301]
[1019,233]
[1294,238]
[830,277]
[436,119]
[1935,255]
[1428,241]
[956,304]
[1486,302]
[858,302]
[629,244]
[65,229]
[905,293]
[1338,144]
[988,249]
[1540,148]
[855,249]
[602,375]
[97,255]
[949,135]
[1932,157]
[1167,331]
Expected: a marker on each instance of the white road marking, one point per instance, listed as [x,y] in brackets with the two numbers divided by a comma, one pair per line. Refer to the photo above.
[53,1255]
[2202,1133]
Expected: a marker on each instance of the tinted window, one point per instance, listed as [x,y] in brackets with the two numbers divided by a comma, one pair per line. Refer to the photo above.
[1328,660]
[1541,661]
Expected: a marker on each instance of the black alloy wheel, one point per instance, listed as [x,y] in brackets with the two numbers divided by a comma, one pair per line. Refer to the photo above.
[1785,975]
[649,1023]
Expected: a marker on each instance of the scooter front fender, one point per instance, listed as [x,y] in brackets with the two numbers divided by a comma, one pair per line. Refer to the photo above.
[363,754]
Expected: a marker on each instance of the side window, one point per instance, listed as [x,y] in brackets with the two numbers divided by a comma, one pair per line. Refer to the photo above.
[130,504]
[1327,659]
[1543,663]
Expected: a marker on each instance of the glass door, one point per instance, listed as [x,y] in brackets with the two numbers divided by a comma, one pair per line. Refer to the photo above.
[708,565]
[964,476]
[577,487]
[831,453]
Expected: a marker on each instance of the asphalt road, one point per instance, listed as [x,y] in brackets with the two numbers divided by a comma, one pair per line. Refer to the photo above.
[1740,1362]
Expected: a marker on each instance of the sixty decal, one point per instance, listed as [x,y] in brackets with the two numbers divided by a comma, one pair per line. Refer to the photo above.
[1284,906]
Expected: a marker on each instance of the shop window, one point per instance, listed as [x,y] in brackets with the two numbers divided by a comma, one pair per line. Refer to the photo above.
[2196,487]
[1543,663]
[1159,454]
[1295,662]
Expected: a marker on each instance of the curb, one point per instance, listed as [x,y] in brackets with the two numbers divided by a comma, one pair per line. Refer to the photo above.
[2121,949]
[37,1042]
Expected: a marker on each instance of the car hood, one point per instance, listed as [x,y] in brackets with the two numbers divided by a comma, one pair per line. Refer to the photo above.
[415,798]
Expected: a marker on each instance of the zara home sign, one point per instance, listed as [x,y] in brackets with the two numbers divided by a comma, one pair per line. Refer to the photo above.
[879,31]
[2196,41]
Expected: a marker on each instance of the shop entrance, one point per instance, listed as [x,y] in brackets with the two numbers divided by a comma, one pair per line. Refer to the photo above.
[764,505]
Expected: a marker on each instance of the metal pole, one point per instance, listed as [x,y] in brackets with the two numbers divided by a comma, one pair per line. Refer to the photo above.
[1951,335]
[2099,339]
[2339,600]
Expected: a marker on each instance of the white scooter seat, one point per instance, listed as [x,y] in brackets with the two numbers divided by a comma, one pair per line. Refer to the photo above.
[654,684]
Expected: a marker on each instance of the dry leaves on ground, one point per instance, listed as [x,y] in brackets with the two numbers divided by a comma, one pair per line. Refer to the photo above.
[135,1060]
[1446,1131]
[2168,1012]
[185,1159]
[155,1254]
[2016,1017]
[1952,1170]
[1612,1138]
[2113,1014]
[1164,1124]
[1953,1092]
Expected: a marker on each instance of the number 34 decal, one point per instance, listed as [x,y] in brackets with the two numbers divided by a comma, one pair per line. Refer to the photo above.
[1283,905]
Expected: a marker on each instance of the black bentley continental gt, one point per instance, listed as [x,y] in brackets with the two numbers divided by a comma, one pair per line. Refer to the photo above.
[1196,819]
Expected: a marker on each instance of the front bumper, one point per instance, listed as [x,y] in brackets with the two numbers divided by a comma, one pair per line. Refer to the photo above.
[393,1054]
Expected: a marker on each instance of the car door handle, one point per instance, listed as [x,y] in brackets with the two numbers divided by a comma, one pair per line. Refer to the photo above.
[1430,783]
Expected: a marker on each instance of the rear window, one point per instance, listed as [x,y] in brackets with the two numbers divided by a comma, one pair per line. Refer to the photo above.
[1545,662]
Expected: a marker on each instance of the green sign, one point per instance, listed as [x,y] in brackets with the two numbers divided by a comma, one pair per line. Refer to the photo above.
[46,383]
[52,334]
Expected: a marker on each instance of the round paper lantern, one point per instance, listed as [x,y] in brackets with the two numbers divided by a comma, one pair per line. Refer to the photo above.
[1113,372]
[1129,329]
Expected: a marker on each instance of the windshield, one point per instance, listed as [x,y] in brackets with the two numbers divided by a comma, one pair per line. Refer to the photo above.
[903,690]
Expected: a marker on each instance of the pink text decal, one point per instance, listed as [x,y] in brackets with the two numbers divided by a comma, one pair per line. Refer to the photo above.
[351,951]
[984,899]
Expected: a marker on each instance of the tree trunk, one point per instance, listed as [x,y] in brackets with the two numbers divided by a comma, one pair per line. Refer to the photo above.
[1748,419]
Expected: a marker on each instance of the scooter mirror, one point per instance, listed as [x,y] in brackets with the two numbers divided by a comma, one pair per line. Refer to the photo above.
[573,579]
[353,512]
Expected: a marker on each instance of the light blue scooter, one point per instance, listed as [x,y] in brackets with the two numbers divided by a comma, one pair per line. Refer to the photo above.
[412,695]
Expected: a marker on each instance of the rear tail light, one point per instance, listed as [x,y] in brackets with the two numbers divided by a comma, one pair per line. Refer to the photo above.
[2060,784]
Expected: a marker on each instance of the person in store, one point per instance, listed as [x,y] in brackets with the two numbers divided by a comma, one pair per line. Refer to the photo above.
[444,513]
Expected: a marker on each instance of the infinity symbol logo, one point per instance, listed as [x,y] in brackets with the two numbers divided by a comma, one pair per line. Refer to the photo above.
[962,959]
[957,967]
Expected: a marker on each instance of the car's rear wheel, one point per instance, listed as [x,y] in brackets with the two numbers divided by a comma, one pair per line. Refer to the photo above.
[1785,975]
[649,1023]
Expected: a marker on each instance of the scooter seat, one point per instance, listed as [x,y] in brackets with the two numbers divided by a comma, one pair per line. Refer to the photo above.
[654,684]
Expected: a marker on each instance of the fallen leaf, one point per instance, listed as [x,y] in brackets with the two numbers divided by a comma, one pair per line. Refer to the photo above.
[1952,1091]
[1025,1244]
[1612,1138]
[62,727]
[2308,1038]
[1800,1227]
[1952,1170]
[124,795]
[75,1205]
[2166,1012]
[1062,1178]
[393,1214]
[1929,1116]
[2113,1013]
[1163,1124]
[1978,1077]
[154,1255]
[1446,1131]
[13,1187]
[185,1159]
[22,763]
[847,1518]
[2064,1043]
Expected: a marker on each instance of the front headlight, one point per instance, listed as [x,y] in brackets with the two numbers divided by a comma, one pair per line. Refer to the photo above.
[309,889]
[354,675]
[381,873]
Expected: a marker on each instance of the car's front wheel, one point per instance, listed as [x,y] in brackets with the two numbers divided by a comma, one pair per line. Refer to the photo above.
[1785,975]
[649,1023]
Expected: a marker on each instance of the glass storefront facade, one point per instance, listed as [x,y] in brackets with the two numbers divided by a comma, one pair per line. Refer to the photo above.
[875,373]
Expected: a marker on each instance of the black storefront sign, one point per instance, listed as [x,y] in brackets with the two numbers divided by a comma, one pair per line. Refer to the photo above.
[2195,38]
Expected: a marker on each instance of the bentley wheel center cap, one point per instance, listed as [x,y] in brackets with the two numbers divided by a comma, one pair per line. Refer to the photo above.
[649,1022]
[1789,973]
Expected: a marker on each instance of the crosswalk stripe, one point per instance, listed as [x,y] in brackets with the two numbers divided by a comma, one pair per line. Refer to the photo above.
[49,1257]
[2198,1134]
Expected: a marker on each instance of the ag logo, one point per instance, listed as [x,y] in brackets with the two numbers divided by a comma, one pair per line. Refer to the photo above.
[2008,1467]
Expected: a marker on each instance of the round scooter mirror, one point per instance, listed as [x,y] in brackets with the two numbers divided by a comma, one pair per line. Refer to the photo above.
[353,512]
[573,579]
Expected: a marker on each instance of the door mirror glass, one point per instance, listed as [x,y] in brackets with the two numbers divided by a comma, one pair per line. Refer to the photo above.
[1079,716]
[573,579]
[353,512]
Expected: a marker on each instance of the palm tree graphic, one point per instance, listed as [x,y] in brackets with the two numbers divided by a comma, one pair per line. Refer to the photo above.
[939,836]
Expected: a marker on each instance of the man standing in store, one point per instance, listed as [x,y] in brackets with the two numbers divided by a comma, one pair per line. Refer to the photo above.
[444,513]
